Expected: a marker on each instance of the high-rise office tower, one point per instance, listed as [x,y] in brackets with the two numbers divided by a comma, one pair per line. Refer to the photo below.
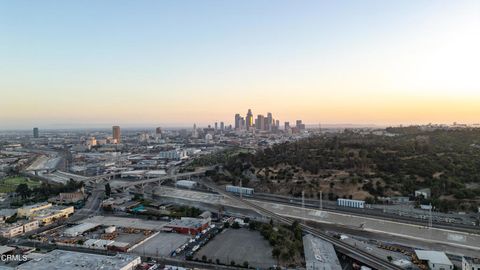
[269,121]
[116,133]
[242,123]
[260,122]
[158,132]
[35,132]
[300,125]
[287,125]
[277,124]
[216,126]
[238,118]
[249,119]
[222,126]
[195,132]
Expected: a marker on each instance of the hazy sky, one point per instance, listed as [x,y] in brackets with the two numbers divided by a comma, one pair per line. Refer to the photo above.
[174,63]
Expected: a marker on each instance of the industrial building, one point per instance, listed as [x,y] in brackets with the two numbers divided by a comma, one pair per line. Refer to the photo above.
[436,260]
[470,263]
[71,197]
[187,225]
[80,229]
[319,254]
[19,228]
[49,215]
[62,259]
[6,213]
[29,210]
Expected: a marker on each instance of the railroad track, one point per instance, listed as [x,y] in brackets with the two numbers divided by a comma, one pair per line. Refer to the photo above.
[342,247]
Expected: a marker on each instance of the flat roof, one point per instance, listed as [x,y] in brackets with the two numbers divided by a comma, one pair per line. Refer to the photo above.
[32,206]
[319,254]
[433,256]
[186,222]
[62,259]
[81,228]
[6,249]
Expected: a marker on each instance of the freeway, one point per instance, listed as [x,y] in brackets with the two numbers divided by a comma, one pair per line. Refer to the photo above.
[342,247]
[161,179]
[372,213]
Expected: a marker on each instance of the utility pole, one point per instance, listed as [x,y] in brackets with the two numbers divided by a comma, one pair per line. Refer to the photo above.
[321,201]
[303,204]
[430,223]
[241,191]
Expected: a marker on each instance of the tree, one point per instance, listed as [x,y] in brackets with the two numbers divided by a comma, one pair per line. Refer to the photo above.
[204,258]
[108,190]
[389,258]
[245,264]
[236,225]
[232,263]
[226,224]
[276,252]
[23,190]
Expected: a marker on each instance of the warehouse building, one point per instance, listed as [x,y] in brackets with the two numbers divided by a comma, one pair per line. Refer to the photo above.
[29,210]
[80,229]
[187,225]
[436,260]
[62,259]
[319,254]
[470,263]
[19,228]
[49,215]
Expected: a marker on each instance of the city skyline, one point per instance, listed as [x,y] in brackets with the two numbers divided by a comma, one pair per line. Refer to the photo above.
[93,64]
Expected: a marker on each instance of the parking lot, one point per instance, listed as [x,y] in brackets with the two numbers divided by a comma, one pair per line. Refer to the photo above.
[161,245]
[239,245]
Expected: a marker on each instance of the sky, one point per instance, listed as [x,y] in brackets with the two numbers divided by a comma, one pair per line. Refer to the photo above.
[175,63]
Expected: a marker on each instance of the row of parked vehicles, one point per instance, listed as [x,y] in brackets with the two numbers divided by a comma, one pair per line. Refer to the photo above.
[195,243]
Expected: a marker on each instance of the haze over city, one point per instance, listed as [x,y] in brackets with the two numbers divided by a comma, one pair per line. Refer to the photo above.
[94,64]
[240,134]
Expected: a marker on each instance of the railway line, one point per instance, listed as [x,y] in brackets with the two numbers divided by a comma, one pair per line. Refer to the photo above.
[342,247]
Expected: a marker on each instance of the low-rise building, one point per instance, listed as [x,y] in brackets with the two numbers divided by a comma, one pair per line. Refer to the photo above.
[6,214]
[29,210]
[71,197]
[424,192]
[436,260]
[18,228]
[187,225]
[470,263]
[52,214]
[62,259]
[11,230]
[80,229]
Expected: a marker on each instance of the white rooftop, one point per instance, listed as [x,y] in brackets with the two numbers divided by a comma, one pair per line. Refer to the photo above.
[437,257]
[81,228]
[62,259]
[5,249]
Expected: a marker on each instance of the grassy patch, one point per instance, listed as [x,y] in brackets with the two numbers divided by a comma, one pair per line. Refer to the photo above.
[10,184]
